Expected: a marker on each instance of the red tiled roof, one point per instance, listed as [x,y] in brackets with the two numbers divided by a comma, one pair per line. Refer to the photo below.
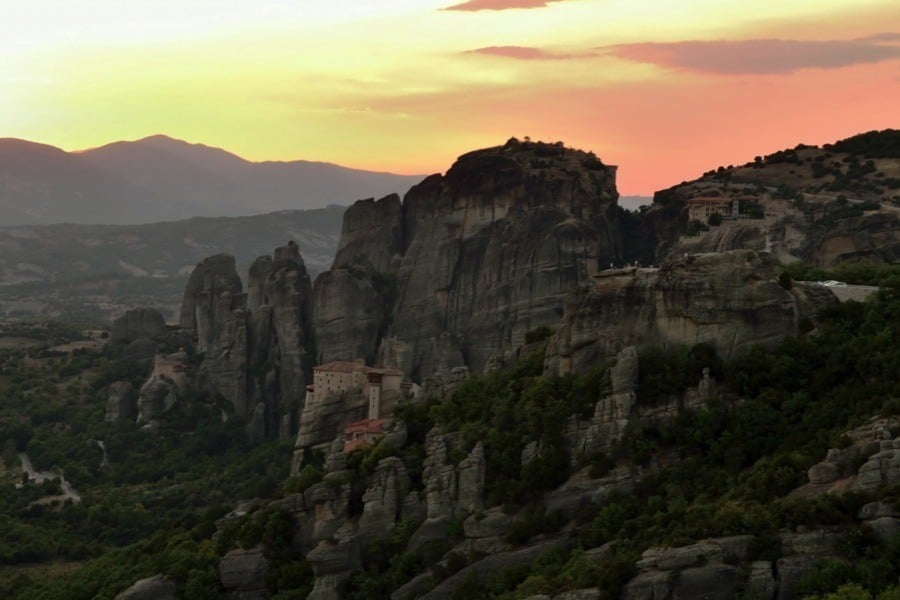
[366,426]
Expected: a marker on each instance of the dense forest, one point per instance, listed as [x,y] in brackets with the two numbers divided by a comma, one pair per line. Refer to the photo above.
[165,501]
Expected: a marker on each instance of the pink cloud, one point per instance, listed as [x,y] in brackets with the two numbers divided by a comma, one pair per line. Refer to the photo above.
[659,132]
[760,56]
[524,53]
[475,5]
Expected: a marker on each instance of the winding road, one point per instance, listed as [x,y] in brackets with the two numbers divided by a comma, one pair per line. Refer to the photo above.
[41,477]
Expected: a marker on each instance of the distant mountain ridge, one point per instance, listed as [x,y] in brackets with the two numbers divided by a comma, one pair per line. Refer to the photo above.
[159,178]
[99,271]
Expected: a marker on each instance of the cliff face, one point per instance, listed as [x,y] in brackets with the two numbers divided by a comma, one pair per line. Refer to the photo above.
[353,300]
[470,261]
[731,300]
[256,345]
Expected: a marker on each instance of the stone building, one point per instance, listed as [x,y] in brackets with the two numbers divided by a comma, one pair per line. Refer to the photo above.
[700,209]
[381,387]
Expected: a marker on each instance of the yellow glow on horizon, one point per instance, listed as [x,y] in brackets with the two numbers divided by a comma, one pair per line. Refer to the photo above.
[390,85]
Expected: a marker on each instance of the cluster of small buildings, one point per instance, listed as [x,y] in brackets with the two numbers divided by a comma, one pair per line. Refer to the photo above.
[703,207]
[382,387]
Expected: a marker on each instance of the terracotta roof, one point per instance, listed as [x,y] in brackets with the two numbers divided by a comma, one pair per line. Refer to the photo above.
[366,426]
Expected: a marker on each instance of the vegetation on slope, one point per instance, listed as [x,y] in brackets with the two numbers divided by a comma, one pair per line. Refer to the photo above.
[724,469]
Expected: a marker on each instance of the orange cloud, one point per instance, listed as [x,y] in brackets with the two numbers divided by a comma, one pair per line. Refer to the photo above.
[475,5]
[738,57]
[661,132]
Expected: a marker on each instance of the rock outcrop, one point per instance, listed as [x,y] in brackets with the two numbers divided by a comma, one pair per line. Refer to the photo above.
[383,500]
[730,300]
[470,261]
[136,324]
[157,587]
[242,574]
[699,571]
[256,344]
[214,308]
[873,446]
[121,404]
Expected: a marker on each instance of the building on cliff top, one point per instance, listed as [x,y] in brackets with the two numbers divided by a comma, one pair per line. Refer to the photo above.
[700,209]
[172,367]
[382,387]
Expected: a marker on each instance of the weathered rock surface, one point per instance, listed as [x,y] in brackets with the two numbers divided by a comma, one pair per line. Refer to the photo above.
[383,500]
[138,323]
[354,299]
[698,568]
[214,308]
[256,344]
[882,468]
[157,397]
[280,332]
[451,491]
[481,570]
[874,445]
[470,261]
[324,415]
[121,404]
[333,562]
[804,213]
[243,574]
[730,300]
[157,587]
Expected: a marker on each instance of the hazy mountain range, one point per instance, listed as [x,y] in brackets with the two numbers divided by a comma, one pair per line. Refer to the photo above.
[98,271]
[162,179]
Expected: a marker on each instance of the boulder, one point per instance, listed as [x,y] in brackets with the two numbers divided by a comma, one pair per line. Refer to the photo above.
[243,574]
[333,562]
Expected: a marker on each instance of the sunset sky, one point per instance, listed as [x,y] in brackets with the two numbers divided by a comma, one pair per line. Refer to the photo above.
[666,89]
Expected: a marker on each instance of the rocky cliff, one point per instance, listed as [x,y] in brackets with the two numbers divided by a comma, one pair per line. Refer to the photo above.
[257,345]
[822,205]
[731,300]
[469,261]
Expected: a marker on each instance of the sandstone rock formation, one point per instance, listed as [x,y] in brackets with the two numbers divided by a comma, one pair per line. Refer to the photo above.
[122,403]
[243,574]
[873,446]
[256,345]
[383,500]
[730,300]
[808,203]
[137,323]
[470,261]
[333,562]
[214,308]
[701,572]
